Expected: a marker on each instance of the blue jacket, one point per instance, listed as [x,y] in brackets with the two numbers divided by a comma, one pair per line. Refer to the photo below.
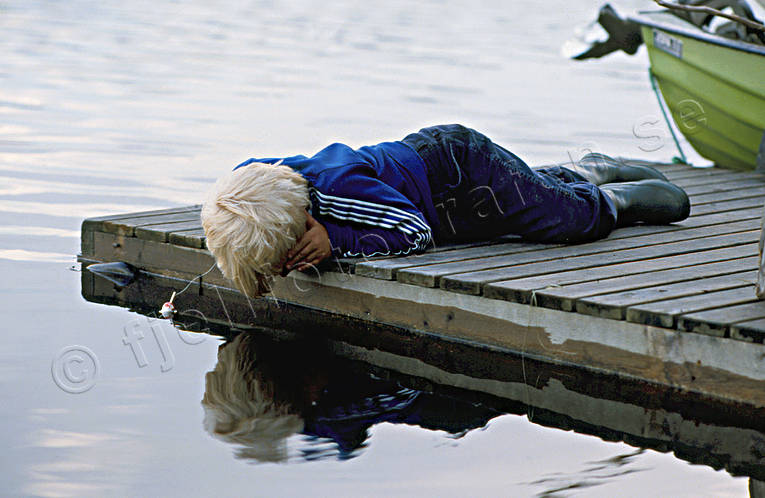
[373,201]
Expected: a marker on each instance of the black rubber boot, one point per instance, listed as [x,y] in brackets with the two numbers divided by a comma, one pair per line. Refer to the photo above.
[654,202]
[600,169]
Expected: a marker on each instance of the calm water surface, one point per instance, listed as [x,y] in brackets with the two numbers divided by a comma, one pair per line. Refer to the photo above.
[108,107]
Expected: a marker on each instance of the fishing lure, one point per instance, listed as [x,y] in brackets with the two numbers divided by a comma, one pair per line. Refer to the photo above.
[168,309]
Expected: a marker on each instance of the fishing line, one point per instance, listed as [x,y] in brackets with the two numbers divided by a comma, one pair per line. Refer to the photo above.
[192,280]
[168,309]
[532,305]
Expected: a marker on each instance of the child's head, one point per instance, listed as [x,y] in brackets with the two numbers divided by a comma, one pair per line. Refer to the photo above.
[252,217]
[242,405]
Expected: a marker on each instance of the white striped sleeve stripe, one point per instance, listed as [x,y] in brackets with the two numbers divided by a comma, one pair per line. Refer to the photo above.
[373,217]
[369,207]
[370,213]
[369,220]
[377,220]
[374,214]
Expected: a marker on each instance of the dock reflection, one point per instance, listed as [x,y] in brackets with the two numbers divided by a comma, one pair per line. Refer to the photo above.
[263,391]
[332,383]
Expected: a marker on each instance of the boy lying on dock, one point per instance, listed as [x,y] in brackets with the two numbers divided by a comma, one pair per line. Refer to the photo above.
[441,185]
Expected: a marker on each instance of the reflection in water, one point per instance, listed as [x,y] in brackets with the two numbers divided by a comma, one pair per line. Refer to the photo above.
[262,392]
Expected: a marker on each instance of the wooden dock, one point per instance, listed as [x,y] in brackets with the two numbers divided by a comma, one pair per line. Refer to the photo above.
[673,306]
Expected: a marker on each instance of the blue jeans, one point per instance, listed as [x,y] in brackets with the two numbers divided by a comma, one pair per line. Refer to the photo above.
[481,190]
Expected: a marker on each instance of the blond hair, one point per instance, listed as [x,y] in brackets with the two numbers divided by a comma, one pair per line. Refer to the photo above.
[252,217]
[240,408]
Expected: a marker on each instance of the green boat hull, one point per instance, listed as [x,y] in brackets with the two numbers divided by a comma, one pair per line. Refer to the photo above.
[714,88]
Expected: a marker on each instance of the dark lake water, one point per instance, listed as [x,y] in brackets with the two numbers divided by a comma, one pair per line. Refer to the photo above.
[109,107]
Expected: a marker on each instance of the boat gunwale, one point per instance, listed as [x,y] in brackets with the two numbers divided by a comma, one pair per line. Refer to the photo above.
[696,33]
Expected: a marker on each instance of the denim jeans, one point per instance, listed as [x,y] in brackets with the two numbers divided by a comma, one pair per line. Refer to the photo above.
[481,190]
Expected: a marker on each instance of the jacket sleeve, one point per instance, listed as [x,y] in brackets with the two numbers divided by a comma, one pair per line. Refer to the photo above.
[354,240]
[364,216]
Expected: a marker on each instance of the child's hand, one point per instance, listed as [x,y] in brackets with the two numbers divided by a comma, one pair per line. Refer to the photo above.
[311,248]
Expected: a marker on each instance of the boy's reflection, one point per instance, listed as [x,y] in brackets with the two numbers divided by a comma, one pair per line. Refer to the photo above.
[261,392]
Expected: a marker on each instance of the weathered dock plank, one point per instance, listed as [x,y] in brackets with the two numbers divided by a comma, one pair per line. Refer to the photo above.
[608,297]
[386,268]
[99,223]
[160,232]
[723,186]
[718,321]
[728,195]
[127,226]
[690,172]
[731,205]
[95,224]
[194,237]
[468,276]
[681,311]
[545,262]
[693,180]
[663,285]
[351,264]
[544,288]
